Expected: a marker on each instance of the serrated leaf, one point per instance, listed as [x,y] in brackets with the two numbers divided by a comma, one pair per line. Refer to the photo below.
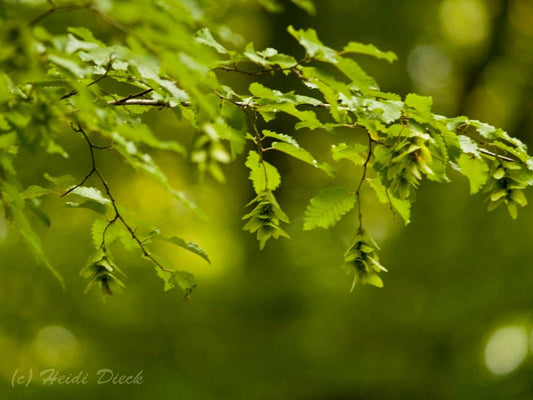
[137,159]
[475,169]
[205,36]
[190,246]
[354,153]
[91,194]
[113,233]
[171,278]
[97,232]
[39,214]
[468,145]
[184,199]
[356,74]
[370,50]
[295,151]
[88,204]
[328,207]
[142,134]
[403,207]
[34,191]
[280,136]
[386,111]
[420,103]
[302,155]
[263,175]
[313,46]
[64,180]
[15,203]
[85,34]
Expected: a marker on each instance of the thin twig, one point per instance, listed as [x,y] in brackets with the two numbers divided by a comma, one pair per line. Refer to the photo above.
[363,177]
[263,71]
[118,216]
[463,128]
[129,97]
[242,104]
[74,92]
[140,102]
[252,116]
[490,153]
[54,10]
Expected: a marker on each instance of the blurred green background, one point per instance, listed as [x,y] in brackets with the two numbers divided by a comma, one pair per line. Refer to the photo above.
[454,320]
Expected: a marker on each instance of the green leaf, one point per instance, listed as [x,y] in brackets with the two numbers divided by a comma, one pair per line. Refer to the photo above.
[15,203]
[468,145]
[172,278]
[190,246]
[263,175]
[328,207]
[88,204]
[475,169]
[402,206]
[422,104]
[91,194]
[39,213]
[97,233]
[64,180]
[386,111]
[70,65]
[295,151]
[85,34]
[355,73]
[306,5]
[205,36]
[313,46]
[142,134]
[34,191]
[370,50]
[280,136]
[235,137]
[356,153]
[301,154]
[372,279]
[271,5]
[184,199]
[138,160]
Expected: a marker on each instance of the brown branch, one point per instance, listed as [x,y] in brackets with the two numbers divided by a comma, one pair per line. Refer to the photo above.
[140,102]
[118,216]
[74,92]
[490,153]
[363,177]
[263,71]
[54,10]
[252,117]
[122,101]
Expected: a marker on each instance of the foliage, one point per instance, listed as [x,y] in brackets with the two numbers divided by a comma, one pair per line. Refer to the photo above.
[175,55]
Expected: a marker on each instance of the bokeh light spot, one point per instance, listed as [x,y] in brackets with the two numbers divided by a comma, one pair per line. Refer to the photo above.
[429,67]
[57,346]
[464,22]
[506,349]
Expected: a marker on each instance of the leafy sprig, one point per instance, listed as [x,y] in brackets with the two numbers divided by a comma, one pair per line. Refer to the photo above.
[182,62]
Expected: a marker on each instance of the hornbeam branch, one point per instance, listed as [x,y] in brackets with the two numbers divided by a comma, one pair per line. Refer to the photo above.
[118,216]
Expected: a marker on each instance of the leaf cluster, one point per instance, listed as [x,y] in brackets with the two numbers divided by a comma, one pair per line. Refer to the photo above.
[176,56]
